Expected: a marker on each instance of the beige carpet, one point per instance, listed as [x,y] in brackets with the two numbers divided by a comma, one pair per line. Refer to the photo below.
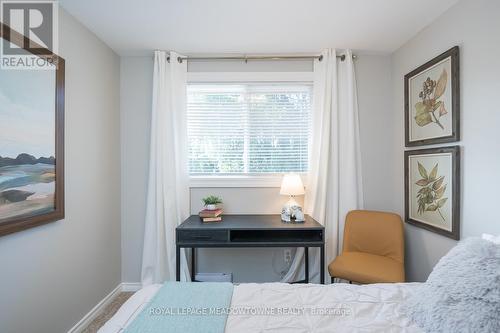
[108,312]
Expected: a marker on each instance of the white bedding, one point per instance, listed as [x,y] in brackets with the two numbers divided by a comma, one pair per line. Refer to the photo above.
[351,308]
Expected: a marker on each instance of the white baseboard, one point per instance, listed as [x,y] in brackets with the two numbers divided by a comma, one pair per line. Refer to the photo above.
[131,286]
[96,310]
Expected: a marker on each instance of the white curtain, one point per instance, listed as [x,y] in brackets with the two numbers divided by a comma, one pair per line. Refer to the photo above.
[335,183]
[168,189]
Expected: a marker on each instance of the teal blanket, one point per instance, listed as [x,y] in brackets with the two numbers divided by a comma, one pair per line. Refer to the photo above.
[185,307]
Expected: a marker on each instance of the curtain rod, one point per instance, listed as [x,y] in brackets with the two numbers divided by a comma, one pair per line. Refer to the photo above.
[247,58]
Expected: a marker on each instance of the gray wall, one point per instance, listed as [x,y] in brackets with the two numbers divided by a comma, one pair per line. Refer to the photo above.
[474,26]
[136,86]
[373,75]
[374,82]
[52,275]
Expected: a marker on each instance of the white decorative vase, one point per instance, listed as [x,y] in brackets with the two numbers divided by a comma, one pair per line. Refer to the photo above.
[211,207]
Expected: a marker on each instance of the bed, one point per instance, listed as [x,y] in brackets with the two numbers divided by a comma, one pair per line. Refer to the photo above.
[336,308]
[462,294]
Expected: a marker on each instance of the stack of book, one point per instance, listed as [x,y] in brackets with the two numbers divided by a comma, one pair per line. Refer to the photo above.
[211,215]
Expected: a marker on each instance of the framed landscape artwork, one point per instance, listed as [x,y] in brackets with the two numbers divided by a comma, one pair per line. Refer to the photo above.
[31,142]
[432,190]
[432,101]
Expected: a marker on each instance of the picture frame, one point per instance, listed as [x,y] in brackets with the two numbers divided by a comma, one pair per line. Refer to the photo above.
[432,101]
[432,190]
[38,197]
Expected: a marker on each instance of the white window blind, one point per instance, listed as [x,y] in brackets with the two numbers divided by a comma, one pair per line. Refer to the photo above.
[248,128]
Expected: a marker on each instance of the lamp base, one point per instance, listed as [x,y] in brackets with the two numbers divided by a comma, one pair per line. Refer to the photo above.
[292,212]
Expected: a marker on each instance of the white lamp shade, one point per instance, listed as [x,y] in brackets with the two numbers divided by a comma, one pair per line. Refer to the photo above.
[292,185]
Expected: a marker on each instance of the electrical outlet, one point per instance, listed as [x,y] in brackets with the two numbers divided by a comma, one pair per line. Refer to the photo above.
[288,256]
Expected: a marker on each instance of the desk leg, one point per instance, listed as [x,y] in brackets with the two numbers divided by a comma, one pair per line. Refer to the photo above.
[177,263]
[322,263]
[193,263]
[306,259]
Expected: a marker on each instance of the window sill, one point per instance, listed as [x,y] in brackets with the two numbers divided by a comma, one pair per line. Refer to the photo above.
[273,180]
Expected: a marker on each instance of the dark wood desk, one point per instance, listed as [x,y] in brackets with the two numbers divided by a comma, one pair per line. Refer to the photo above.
[250,231]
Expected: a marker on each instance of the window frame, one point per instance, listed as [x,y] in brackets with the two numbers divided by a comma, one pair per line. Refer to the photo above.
[246,180]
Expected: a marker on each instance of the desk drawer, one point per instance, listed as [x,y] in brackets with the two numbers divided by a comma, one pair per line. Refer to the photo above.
[200,236]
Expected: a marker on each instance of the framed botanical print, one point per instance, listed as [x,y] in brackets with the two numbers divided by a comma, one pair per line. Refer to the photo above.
[432,190]
[432,101]
[31,140]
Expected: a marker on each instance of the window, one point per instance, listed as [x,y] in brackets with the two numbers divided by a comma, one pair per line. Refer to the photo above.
[248,128]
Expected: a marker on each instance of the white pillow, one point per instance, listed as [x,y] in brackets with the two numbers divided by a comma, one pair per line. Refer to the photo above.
[491,238]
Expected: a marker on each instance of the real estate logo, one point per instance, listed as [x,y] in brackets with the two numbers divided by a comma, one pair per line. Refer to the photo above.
[29,34]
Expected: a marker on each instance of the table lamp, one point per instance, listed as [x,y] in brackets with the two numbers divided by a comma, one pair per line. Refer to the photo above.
[292,185]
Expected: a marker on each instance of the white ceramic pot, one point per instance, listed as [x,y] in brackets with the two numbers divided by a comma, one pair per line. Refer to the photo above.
[210,207]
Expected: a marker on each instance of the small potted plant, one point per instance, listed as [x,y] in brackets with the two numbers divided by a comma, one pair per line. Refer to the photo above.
[211,202]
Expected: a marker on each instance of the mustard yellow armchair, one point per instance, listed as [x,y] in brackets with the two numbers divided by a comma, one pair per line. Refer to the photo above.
[373,249]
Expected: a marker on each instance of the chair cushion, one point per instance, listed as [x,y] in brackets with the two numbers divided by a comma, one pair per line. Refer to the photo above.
[366,268]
